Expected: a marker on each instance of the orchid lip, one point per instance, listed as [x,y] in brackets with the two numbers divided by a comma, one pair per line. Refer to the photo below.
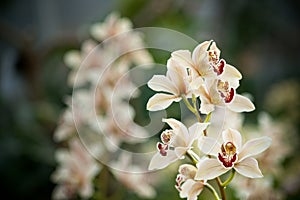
[162,148]
[228,155]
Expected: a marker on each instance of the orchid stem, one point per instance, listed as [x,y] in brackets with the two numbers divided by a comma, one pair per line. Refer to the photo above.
[207,118]
[213,191]
[193,108]
[229,179]
[193,159]
[221,188]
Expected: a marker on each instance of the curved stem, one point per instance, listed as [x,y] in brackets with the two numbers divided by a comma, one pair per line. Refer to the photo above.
[213,191]
[190,155]
[221,188]
[207,118]
[194,100]
[187,103]
[193,108]
[229,179]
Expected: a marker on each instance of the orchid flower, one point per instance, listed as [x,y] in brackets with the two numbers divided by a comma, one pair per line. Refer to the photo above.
[205,61]
[112,26]
[131,177]
[175,83]
[175,142]
[231,155]
[185,183]
[76,172]
[221,93]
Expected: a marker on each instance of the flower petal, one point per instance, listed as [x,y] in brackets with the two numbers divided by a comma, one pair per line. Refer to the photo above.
[249,168]
[209,169]
[180,151]
[182,134]
[232,135]
[214,47]
[196,131]
[162,83]
[183,58]
[200,53]
[232,75]
[206,105]
[191,189]
[159,162]
[161,101]
[209,145]
[178,75]
[206,108]
[241,104]
[254,147]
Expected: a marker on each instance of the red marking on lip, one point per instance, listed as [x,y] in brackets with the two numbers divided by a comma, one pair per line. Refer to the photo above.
[228,95]
[219,67]
[227,160]
[162,149]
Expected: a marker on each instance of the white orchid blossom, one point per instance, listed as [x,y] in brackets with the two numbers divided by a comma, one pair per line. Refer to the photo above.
[187,186]
[175,83]
[175,142]
[218,92]
[231,154]
[205,61]
[76,172]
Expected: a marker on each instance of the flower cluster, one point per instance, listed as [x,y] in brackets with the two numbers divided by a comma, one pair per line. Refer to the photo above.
[99,110]
[271,160]
[205,82]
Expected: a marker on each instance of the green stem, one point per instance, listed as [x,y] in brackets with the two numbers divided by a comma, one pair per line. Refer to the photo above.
[187,103]
[193,108]
[193,159]
[229,179]
[213,191]
[221,188]
[207,118]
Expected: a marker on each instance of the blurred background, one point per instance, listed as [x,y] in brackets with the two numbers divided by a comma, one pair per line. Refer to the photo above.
[260,38]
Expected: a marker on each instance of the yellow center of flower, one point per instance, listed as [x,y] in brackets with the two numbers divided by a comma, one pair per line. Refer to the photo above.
[228,154]
[166,136]
[225,91]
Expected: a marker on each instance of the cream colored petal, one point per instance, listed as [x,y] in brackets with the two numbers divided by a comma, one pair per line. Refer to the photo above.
[206,105]
[195,85]
[254,147]
[159,162]
[241,104]
[200,53]
[161,101]
[249,168]
[174,124]
[232,75]
[178,75]
[234,136]
[209,169]
[196,131]
[182,134]
[215,48]
[231,72]
[73,59]
[206,108]
[162,83]
[191,189]
[183,58]
[214,94]
[180,151]
[209,146]
[86,190]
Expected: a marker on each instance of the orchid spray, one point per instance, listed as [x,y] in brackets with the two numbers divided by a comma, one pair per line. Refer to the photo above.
[205,83]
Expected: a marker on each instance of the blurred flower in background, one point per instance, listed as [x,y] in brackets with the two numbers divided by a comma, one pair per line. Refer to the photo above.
[38,37]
